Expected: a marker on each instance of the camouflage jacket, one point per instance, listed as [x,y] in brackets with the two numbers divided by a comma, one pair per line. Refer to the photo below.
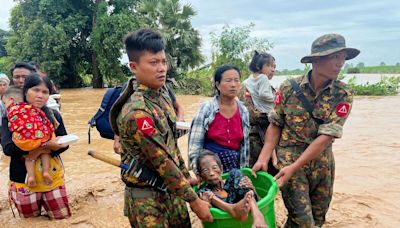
[146,125]
[332,104]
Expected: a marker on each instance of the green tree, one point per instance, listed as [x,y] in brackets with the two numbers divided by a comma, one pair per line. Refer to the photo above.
[83,38]
[235,45]
[112,21]
[54,34]
[382,64]
[173,21]
[3,40]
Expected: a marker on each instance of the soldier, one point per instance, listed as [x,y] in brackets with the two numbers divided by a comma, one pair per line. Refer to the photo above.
[146,127]
[309,114]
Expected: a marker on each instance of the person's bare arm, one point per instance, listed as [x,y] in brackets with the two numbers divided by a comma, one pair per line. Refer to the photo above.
[117,145]
[271,140]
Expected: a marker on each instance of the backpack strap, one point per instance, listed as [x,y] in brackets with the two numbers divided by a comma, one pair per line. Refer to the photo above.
[306,104]
[127,91]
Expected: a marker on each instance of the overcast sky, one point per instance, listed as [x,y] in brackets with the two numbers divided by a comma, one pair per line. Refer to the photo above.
[371,26]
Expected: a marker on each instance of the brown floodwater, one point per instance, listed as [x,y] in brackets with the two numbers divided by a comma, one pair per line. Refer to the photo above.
[366,192]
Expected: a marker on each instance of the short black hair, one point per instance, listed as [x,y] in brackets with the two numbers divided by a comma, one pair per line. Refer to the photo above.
[22,65]
[219,71]
[143,40]
[203,154]
[259,60]
[35,65]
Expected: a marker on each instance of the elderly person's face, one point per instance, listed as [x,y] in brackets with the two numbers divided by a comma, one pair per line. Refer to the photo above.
[230,84]
[19,75]
[3,87]
[37,95]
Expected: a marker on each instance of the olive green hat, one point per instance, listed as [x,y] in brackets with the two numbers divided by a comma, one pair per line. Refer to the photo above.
[328,44]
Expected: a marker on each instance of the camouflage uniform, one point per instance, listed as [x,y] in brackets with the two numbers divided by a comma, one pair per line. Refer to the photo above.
[258,126]
[308,193]
[146,125]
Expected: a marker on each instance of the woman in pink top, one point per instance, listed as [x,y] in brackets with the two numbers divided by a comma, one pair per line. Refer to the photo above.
[222,124]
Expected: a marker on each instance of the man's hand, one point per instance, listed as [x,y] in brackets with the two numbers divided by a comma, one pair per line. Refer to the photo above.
[193,181]
[202,210]
[284,175]
[261,165]
[117,145]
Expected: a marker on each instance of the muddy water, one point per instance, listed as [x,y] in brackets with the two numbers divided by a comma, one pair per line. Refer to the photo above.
[367,159]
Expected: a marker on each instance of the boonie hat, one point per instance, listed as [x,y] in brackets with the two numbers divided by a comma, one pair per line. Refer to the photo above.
[328,44]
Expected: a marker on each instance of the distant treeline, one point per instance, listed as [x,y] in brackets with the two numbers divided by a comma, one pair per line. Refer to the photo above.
[349,69]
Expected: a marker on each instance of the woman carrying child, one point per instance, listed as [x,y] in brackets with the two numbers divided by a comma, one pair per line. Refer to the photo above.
[49,194]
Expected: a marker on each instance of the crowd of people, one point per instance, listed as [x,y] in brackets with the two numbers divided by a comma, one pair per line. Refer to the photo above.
[287,132]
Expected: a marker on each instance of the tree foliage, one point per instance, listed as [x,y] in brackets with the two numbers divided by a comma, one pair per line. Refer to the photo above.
[52,33]
[173,22]
[235,45]
[3,39]
[74,39]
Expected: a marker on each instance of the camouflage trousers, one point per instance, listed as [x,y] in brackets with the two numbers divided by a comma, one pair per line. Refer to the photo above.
[158,210]
[308,193]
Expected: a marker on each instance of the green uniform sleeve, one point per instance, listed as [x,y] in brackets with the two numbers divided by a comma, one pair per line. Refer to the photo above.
[153,148]
[333,126]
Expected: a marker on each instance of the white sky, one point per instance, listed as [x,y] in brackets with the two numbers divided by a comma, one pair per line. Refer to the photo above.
[371,26]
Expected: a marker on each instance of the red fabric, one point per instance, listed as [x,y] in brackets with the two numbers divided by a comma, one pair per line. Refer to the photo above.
[29,204]
[145,125]
[226,132]
[29,123]
[278,98]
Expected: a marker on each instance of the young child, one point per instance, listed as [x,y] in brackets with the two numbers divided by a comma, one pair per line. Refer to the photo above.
[236,195]
[30,129]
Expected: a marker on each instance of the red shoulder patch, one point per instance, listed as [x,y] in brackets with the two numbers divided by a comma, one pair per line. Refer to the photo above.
[278,98]
[342,109]
[145,125]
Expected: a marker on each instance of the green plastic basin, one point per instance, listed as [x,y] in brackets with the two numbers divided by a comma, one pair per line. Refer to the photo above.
[266,188]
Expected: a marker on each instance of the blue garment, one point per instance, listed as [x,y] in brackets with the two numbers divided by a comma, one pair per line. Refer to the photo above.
[203,118]
[229,158]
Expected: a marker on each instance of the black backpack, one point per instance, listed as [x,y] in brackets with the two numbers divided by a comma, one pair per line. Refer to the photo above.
[101,119]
